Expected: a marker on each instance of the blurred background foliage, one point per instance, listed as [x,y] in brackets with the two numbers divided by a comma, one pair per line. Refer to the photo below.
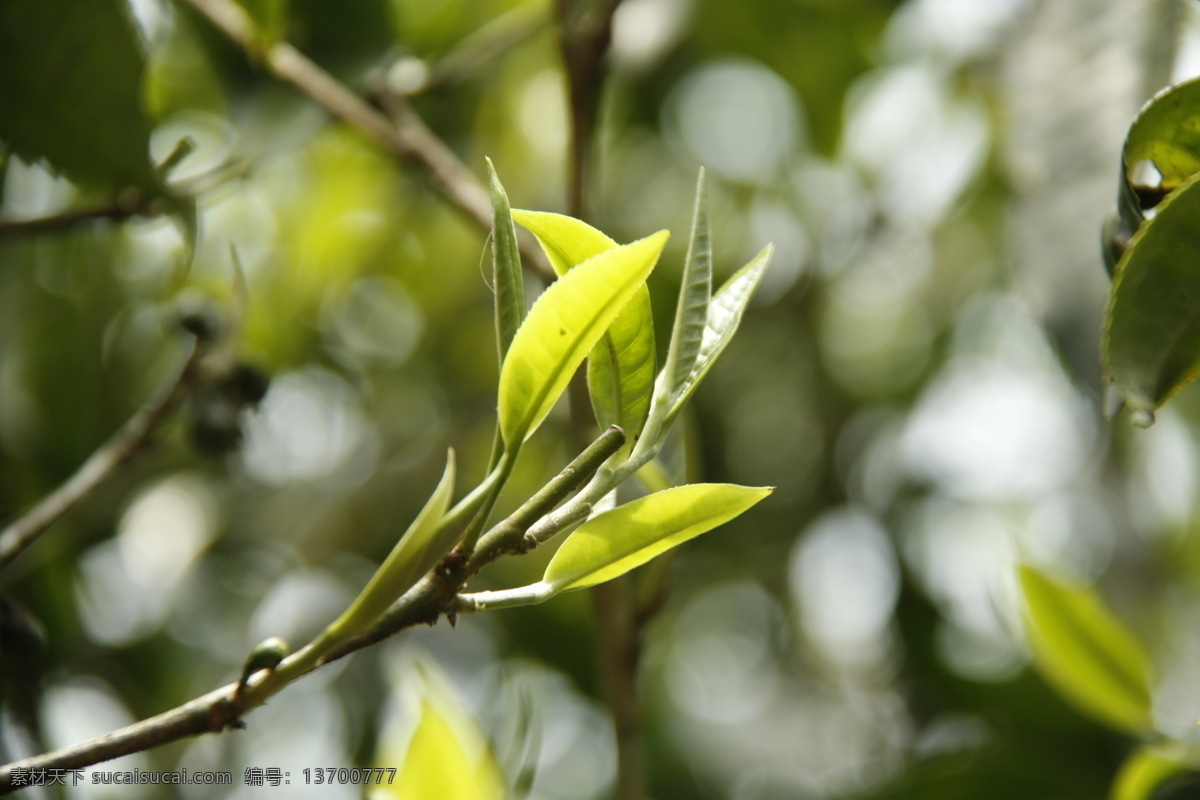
[919,377]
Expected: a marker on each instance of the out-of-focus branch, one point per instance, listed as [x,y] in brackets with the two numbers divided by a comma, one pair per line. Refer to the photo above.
[126,443]
[409,139]
[424,604]
[69,219]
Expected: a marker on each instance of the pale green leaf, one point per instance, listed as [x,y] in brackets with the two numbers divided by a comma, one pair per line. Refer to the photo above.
[724,315]
[695,291]
[621,365]
[1085,652]
[417,552]
[447,756]
[616,541]
[1149,767]
[564,324]
[507,282]
[1152,331]
[566,240]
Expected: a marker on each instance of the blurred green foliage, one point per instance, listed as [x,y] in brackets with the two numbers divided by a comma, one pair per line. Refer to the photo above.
[918,378]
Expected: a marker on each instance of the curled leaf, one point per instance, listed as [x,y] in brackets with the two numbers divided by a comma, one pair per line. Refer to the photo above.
[417,552]
[507,281]
[724,316]
[695,292]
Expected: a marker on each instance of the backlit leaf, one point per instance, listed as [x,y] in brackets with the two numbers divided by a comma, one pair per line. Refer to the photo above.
[1152,331]
[616,541]
[724,315]
[1149,767]
[447,756]
[564,324]
[1085,652]
[695,291]
[507,282]
[621,366]
[417,552]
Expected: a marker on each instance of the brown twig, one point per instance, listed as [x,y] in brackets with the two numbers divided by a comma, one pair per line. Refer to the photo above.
[409,140]
[125,444]
[424,604]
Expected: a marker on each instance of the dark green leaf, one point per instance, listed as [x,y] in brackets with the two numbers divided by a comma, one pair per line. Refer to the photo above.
[70,90]
[1085,652]
[507,282]
[1152,331]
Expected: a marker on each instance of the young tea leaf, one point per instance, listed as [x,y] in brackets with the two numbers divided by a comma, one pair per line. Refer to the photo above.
[1152,330]
[507,282]
[616,541]
[564,324]
[566,240]
[621,365]
[1085,652]
[419,549]
[1148,768]
[695,291]
[724,315]
[446,757]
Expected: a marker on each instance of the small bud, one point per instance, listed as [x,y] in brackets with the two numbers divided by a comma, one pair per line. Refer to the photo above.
[266,655]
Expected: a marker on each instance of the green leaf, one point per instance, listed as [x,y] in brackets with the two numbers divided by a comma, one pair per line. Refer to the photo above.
[724,316]
[70,88]
[564,324]
[447,756]
[506,266]
[1167,133]
[566,240]
[1152,330]
[616,541]
[1084,652]
[1149,767]
[695,291]
[621,366]
[417,552]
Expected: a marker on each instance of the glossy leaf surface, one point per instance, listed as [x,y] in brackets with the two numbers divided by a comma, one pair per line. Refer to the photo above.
[617,541]
[564,324]
[1152,331]
[1085,652]
[621,366]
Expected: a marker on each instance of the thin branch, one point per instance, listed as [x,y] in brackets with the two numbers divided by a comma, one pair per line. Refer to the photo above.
[69,219]
[409,139]
[125,444]
[435,595]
